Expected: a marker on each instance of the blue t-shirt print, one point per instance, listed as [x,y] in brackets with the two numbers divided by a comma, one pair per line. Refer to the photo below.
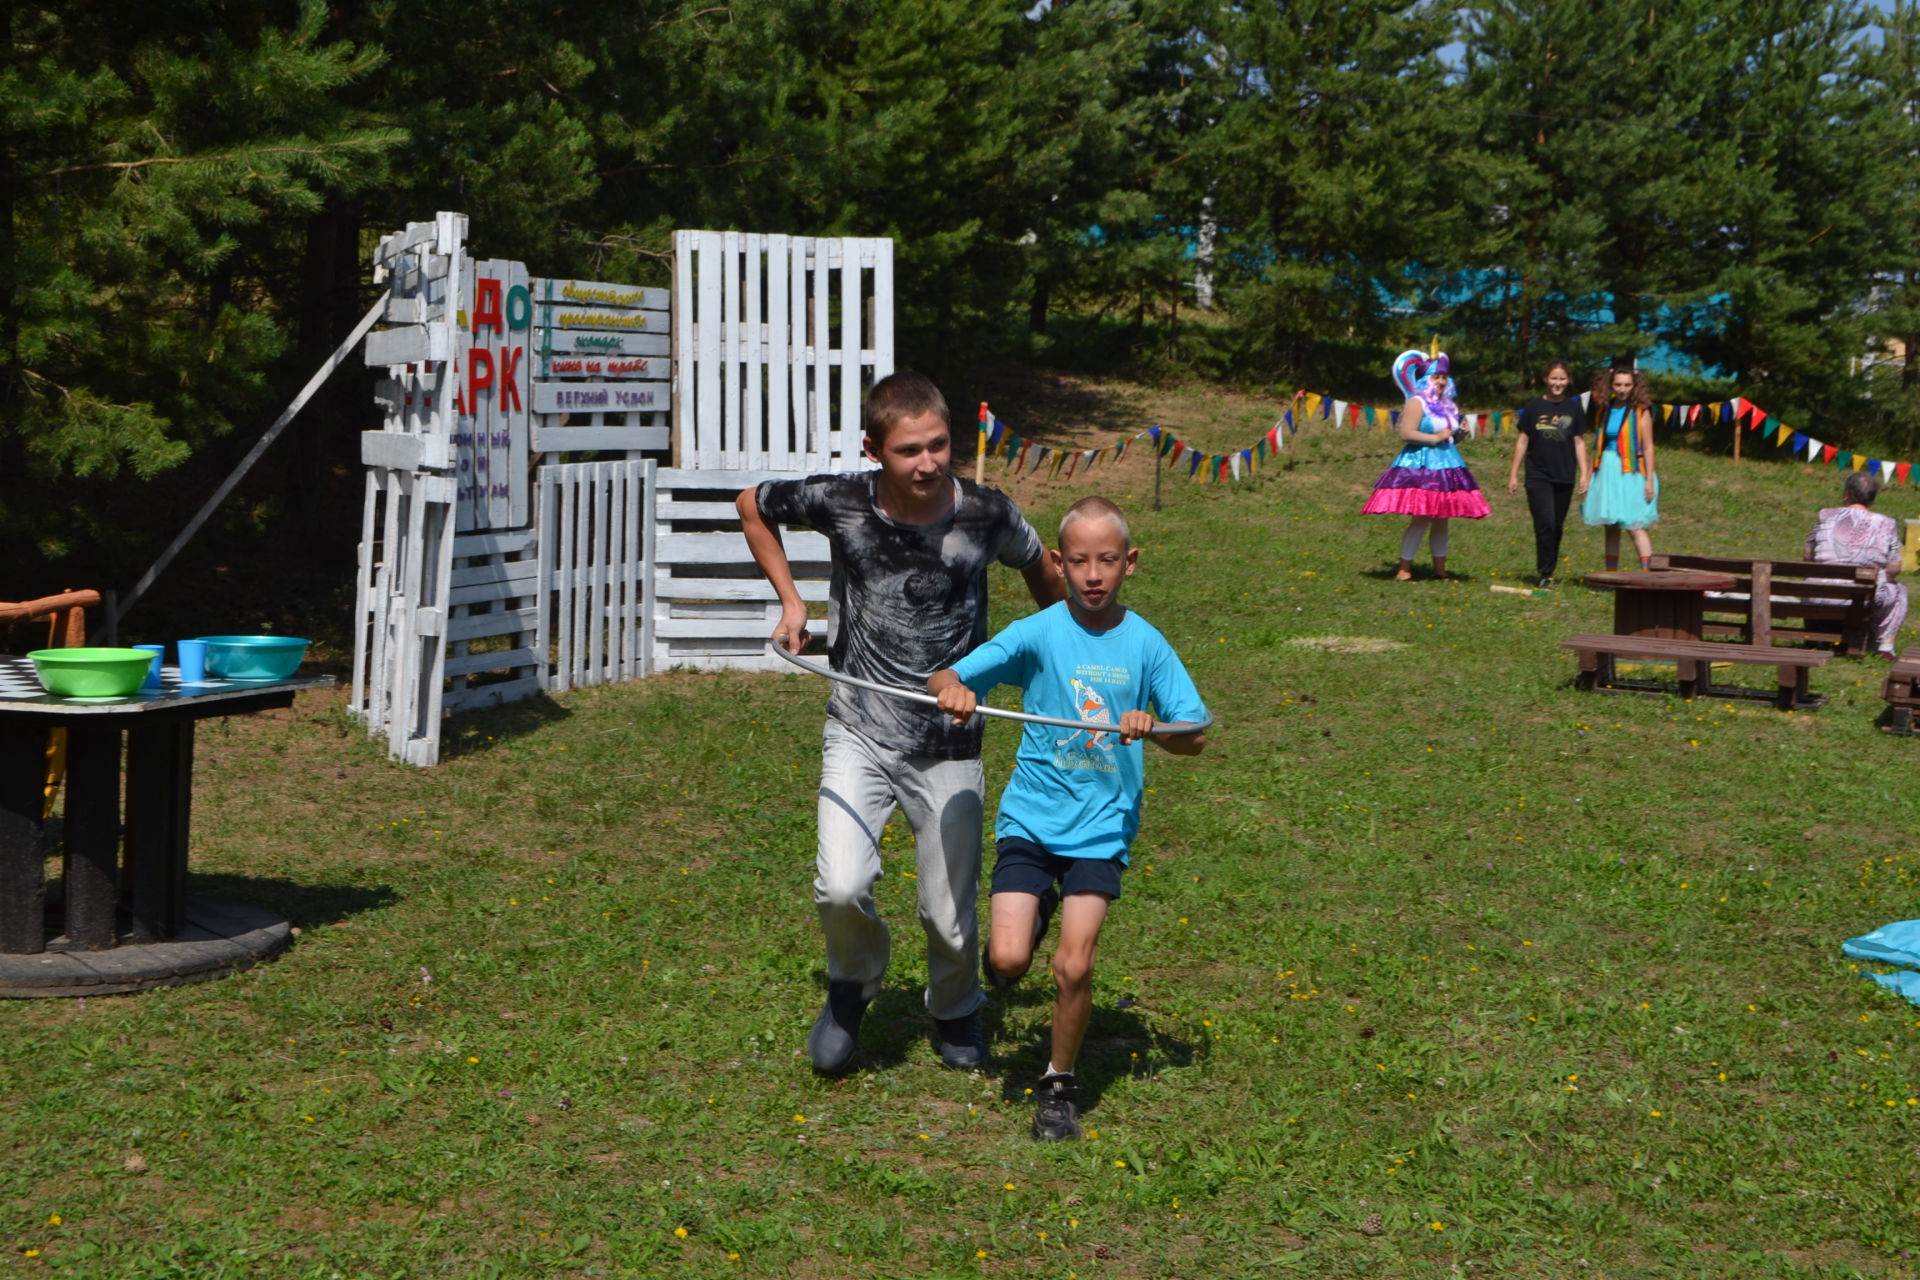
[1076,792]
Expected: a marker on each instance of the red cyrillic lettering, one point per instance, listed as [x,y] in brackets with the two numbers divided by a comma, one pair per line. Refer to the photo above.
[479,376]
[486,306]
[509,384]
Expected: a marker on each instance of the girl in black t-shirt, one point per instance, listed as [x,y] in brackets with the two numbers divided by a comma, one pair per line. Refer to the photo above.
[1552,443]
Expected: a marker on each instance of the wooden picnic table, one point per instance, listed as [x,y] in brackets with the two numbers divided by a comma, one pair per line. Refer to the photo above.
[1662,603]
[124,881]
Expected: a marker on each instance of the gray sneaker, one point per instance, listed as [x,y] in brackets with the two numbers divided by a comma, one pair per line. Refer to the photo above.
[961,1041]
[1056,1115]
[836,1032]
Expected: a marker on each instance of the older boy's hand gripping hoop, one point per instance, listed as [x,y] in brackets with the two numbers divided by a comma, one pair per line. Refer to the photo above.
[776,647]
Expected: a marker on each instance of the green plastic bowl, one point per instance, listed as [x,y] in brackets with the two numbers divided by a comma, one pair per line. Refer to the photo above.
[91,672]
[253,657]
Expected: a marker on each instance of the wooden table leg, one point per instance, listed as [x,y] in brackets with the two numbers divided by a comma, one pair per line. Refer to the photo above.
[93,835]
[23,873]
[159,801]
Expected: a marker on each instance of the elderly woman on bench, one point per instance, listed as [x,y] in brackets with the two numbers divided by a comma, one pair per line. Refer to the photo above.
[1856,534]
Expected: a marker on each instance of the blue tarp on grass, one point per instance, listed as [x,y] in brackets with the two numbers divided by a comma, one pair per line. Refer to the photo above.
[1897,943]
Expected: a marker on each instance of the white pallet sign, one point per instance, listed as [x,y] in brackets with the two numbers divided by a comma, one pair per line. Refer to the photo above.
[763,378]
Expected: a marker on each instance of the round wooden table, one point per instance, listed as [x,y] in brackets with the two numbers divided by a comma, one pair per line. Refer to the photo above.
[1659,602]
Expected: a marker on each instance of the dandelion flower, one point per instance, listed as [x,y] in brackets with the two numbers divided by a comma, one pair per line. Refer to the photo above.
[53,1219]
[680,1232]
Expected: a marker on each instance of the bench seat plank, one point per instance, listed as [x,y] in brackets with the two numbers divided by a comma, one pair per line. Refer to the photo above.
[1694,660]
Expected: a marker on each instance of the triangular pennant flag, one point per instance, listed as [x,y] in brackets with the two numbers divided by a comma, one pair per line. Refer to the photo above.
[1019,460]
[1370,413]
[1586,400]
[1838,457]
[1236,466]
[1857,462]
[1288,419]
[1780,436]
[1759,419]
[1040,455]
[1339,414]
[1719,411]
[994,432]
[1799,442]
[1059,460]
[1900,472]
[1693,412]
[1873,466]
[1353,414]
[1168,445]
[1740,406]
[1193,466]
[1814,449]
[1173,455]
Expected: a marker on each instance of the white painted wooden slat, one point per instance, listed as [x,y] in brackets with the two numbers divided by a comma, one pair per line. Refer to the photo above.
[364,613]
[560,609]
[543,593]
[709,421]
[753,354]
[715,628]
[684,351]
[405,345]
[650,488]
[494,542]
[498,660]
[811,589]
[820,338]
[776,354]
[487,592]
[732,443]
[601,397]
[555,291]
[504,622]
[852,319]
[706,548]
[581,439]
[800,405]
[471,574]
[597,589]
[405,452]
[604,344]
[675,479]
[882,308]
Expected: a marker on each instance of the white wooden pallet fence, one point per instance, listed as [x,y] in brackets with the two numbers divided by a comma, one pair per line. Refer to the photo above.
[491,566]
[775,340]
[597,541]
[407,529]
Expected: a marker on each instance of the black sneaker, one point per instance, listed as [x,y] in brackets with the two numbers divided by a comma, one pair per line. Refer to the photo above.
[1546,583]
[1056,1118]
[962,1044]
[836,1032]
[997,981]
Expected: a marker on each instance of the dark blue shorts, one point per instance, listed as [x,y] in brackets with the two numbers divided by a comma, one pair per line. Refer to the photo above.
[1021,866]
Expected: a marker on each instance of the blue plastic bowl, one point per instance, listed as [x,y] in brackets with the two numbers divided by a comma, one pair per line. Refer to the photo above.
[253,657]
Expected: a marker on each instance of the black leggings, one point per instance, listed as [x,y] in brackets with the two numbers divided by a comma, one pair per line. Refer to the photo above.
[1549,503]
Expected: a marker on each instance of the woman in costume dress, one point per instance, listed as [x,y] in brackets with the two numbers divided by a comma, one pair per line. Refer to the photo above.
[1625,493]
[1428,480]
[1856,534]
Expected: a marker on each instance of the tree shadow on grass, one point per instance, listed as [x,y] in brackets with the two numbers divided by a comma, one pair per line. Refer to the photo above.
[305,906]
[474,732]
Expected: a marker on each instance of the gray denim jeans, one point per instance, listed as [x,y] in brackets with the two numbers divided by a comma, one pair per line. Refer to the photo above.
[860,783]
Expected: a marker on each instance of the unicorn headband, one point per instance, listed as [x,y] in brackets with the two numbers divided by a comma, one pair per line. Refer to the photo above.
[1411,369]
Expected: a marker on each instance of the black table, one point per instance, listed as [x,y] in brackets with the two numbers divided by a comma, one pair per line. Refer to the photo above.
[137,866]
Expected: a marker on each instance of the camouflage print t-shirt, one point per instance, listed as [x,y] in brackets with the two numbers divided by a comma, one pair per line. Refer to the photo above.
[906,600]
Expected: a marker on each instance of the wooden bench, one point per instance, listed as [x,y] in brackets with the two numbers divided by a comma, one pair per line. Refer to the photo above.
[1774,601]
[1902,691]
[1695,659]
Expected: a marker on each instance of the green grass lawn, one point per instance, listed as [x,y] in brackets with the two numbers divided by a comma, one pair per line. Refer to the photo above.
[1430,966]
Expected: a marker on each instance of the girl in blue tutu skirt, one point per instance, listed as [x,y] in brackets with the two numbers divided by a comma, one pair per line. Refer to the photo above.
[1625,493]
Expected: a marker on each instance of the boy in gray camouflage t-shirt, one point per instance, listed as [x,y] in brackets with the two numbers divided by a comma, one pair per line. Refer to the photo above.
[911,545]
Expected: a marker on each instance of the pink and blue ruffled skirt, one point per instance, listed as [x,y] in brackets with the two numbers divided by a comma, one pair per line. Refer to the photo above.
[1428,480]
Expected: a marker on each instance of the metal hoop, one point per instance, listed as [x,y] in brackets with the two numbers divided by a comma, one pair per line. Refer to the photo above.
[1159,728]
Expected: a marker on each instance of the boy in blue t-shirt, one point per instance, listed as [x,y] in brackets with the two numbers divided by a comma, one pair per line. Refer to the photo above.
[1073,804]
